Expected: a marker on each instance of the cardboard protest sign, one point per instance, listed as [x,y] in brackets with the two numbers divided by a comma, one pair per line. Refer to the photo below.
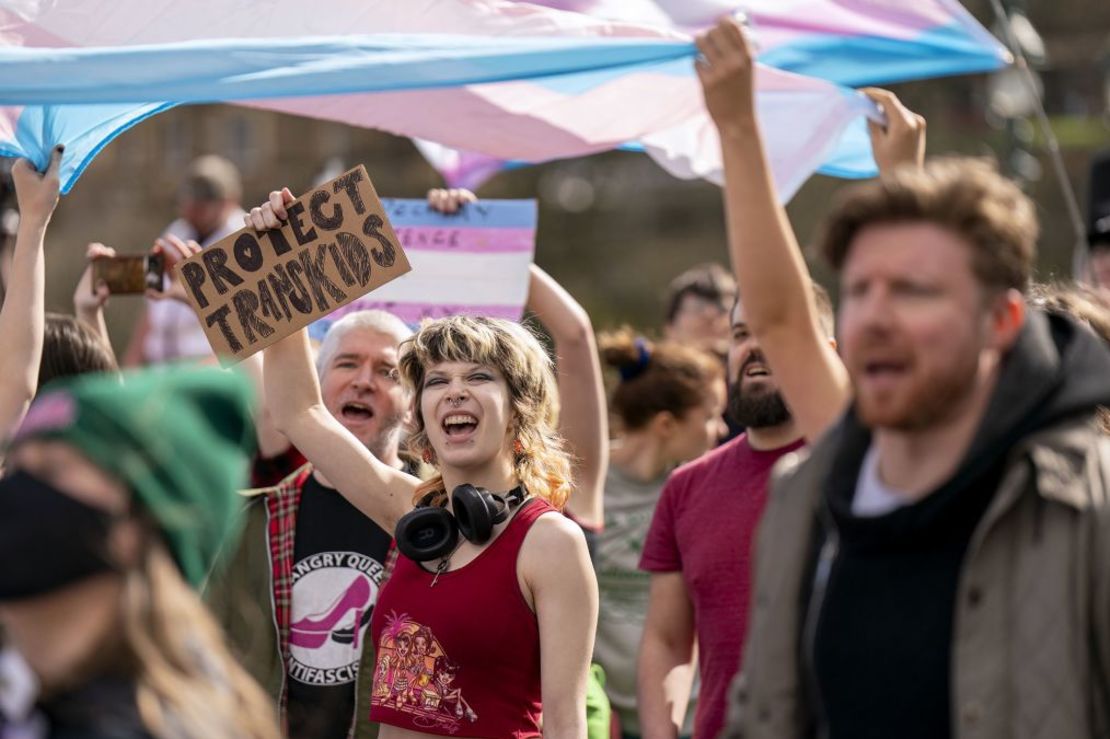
[473,262]
[255,288]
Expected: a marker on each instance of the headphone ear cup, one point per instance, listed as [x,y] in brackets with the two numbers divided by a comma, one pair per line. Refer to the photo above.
[426,533]
[475,512]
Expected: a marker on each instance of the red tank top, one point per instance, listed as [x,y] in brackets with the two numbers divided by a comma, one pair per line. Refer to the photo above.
[461,658]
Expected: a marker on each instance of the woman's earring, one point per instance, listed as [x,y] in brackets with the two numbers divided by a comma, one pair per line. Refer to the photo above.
[427,455]
[518,448]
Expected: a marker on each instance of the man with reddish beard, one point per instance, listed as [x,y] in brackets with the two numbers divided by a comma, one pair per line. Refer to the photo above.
[699,544]
[298,594]
[936,567]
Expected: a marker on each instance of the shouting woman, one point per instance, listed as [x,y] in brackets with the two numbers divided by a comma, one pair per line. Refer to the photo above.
[498,584]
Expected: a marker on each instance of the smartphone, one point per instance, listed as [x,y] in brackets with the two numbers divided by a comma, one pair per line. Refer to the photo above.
[129,273]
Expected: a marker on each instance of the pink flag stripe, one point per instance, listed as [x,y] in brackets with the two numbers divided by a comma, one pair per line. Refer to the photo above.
[416,312]
[518,120]
[468,240]
[9,121]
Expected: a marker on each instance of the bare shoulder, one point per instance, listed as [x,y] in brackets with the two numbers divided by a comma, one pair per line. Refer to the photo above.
[553,544]
[554,562]
[553,529]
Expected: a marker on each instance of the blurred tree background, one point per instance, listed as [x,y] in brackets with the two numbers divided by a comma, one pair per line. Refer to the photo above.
[614,228]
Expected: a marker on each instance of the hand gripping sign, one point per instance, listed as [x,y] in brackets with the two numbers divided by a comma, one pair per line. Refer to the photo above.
[254,288]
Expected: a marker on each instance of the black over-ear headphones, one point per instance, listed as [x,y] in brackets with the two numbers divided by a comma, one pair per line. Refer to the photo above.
[430,532]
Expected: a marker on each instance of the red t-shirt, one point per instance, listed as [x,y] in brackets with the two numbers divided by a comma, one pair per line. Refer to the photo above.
[703,527]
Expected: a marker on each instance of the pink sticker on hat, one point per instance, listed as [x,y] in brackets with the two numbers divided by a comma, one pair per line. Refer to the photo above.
[51,412]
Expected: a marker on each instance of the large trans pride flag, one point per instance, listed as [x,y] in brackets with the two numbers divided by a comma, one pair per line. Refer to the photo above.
[509,81]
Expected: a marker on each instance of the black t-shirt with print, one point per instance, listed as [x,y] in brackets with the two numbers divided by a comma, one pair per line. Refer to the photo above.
[338,556]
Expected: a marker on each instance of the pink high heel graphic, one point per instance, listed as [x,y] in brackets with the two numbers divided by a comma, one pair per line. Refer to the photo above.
[312,631]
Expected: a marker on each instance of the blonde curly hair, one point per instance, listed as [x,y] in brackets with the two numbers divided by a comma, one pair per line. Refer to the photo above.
[540,462]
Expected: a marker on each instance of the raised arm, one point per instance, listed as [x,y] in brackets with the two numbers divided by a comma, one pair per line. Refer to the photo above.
[271,442]
[771,273]
[900,142]
[583,417]
[293,398]
[89,302]
[23,316]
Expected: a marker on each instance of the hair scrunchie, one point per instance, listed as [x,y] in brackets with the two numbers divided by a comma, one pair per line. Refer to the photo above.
[631,372]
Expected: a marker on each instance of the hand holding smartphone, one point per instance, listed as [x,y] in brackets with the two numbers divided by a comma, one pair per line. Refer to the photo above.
[129,274]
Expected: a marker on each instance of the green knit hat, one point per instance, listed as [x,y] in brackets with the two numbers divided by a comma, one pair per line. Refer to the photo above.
[180,439]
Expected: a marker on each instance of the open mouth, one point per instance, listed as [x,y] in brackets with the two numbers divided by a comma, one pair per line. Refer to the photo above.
[355,411]
[459,425]
[884,370]
[757,369]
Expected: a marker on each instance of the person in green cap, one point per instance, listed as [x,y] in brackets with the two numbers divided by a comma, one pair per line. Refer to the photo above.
[114,506]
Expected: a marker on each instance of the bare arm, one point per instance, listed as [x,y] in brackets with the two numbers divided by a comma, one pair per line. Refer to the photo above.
[88,304]
[555,566]
[292,393]
[583,417]
[293,398]
[667,657]
[271,442]
[23,316]
[770,269]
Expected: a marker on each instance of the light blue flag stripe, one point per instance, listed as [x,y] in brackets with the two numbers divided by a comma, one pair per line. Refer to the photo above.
[405,212]
[849,60]
[856,61]
[240,69]
[85,129]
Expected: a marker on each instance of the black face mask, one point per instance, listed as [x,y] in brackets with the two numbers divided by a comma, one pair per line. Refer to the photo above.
[48,540]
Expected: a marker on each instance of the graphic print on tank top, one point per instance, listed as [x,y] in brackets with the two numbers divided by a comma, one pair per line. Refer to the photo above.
[333,598]
[416,676]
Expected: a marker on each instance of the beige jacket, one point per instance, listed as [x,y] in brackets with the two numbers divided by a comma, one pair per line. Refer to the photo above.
[1031,644]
